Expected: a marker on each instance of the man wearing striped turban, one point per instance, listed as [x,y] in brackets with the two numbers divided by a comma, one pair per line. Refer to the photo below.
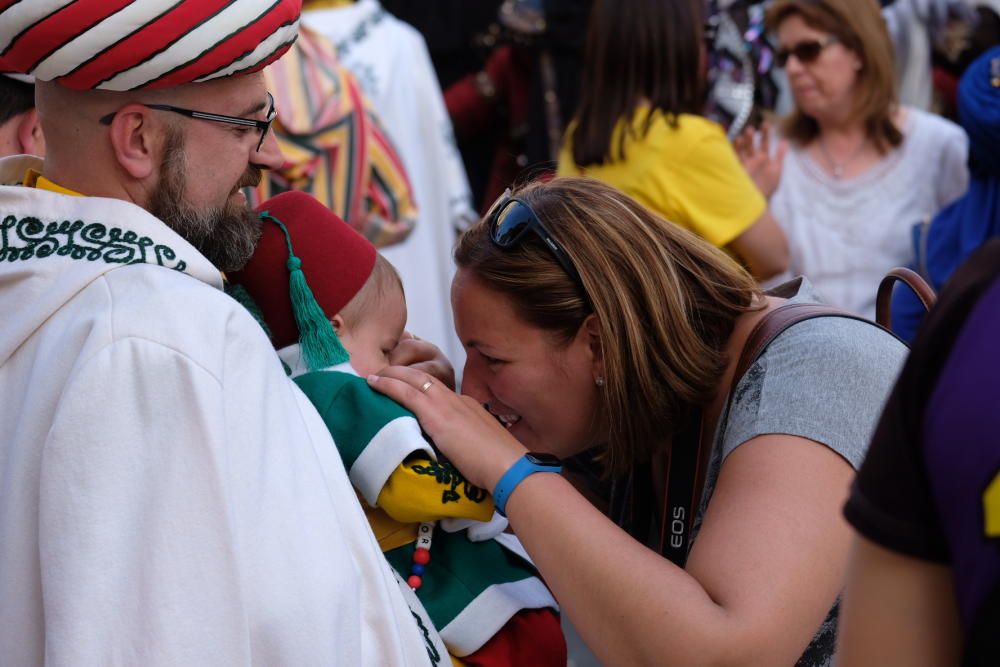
[167,497]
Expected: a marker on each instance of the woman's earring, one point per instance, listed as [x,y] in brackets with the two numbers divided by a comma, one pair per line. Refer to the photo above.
[599,381]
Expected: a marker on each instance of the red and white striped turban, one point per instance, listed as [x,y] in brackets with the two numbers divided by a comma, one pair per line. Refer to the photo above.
[129,44]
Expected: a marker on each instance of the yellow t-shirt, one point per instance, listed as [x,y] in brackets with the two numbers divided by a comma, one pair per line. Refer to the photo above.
[688,173]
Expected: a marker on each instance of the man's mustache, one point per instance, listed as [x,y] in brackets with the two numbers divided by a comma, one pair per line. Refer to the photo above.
[251,178]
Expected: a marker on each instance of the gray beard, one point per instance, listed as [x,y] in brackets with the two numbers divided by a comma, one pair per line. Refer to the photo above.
[226,236]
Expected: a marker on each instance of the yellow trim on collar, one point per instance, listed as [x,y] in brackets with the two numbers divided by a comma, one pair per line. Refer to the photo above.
[34,179]
[326,4]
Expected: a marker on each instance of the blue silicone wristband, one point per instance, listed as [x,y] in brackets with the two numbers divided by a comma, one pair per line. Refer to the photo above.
[516,474]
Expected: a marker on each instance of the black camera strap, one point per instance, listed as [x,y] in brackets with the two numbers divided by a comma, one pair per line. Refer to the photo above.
[691,449]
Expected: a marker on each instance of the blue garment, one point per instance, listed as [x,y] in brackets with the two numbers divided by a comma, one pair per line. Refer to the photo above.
[966,224]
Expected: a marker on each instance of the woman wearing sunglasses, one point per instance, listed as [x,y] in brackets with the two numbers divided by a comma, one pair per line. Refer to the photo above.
[598,331]
[861,170]
[639,128]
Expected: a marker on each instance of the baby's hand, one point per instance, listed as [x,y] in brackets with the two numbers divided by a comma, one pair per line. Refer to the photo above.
[422,355]
[477,531]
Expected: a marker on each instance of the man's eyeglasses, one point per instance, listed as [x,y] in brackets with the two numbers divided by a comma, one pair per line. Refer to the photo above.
[262,125]
[805,52]
[510,219]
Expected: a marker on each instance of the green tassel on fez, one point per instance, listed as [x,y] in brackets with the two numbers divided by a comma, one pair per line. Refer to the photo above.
[320,345]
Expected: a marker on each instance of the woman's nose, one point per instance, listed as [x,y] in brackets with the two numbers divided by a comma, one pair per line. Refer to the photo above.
[793,66]
[473,384]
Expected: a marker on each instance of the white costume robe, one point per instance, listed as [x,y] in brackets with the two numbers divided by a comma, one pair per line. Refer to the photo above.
[167,495]
[391,62]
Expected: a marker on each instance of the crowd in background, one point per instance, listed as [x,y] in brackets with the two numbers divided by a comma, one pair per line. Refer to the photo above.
[494,93]
[824,198]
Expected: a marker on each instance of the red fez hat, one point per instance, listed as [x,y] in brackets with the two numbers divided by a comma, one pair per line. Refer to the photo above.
[302,241]
[125,44]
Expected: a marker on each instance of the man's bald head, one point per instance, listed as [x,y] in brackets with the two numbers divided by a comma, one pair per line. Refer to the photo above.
[84,154]
[81,156]
[121,158]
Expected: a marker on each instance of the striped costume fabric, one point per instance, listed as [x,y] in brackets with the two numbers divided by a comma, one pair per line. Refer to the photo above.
[123,45]
[334,146]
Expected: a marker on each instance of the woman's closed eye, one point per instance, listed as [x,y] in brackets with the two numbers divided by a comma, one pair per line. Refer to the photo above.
[491,361]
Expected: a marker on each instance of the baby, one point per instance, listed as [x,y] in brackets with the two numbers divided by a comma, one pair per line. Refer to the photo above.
[334,309]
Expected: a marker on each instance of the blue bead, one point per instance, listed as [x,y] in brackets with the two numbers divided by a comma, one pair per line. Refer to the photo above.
[417,569]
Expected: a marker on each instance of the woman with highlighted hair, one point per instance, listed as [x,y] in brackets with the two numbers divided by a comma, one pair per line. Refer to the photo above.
[598,333]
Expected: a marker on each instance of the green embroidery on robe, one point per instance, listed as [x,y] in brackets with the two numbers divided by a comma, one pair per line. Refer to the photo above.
[28,237]
[445,473]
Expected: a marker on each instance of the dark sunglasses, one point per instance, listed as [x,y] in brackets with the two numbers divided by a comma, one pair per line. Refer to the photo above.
[805,52]
[510,219]
[262,125]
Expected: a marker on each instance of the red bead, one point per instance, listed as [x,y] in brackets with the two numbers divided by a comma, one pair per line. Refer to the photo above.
[415,582]
[421,556]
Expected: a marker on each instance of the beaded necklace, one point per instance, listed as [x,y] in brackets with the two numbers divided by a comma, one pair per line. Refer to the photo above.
[421,555]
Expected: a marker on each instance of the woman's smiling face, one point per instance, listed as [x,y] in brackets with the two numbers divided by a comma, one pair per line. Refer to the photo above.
[543,391]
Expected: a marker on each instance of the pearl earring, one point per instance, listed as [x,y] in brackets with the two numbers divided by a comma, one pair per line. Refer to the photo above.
[599,381]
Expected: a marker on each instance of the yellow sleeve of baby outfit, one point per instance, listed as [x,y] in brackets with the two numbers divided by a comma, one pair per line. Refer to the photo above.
[718,198]
[424,490]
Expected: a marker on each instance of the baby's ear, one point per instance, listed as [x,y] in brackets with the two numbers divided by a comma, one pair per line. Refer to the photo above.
[338,322]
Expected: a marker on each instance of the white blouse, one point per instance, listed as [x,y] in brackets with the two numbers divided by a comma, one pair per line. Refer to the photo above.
[844,235]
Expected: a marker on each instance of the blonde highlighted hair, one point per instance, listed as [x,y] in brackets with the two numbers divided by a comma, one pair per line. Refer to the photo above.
[666,302]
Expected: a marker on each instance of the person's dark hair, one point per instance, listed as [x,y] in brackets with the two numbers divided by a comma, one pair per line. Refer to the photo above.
[638,51]
[16,97]
[666,302]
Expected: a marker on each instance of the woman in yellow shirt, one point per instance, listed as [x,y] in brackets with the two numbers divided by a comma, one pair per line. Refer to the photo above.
[638,128]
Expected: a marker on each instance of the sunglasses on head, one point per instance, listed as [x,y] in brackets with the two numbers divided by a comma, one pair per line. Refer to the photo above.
[805,52]
[511,218]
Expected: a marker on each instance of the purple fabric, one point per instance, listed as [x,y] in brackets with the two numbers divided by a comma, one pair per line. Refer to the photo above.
[962,451]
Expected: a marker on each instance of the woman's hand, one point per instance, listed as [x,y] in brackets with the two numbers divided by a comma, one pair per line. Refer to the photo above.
[422,355]
[471,438]
[763,167]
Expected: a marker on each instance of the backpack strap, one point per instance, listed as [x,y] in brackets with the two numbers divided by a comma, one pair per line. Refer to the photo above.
[774,323]
[913,280]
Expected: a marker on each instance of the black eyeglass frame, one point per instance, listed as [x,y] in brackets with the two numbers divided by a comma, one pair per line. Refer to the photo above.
[534,225]
[782,55]
[263,125]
